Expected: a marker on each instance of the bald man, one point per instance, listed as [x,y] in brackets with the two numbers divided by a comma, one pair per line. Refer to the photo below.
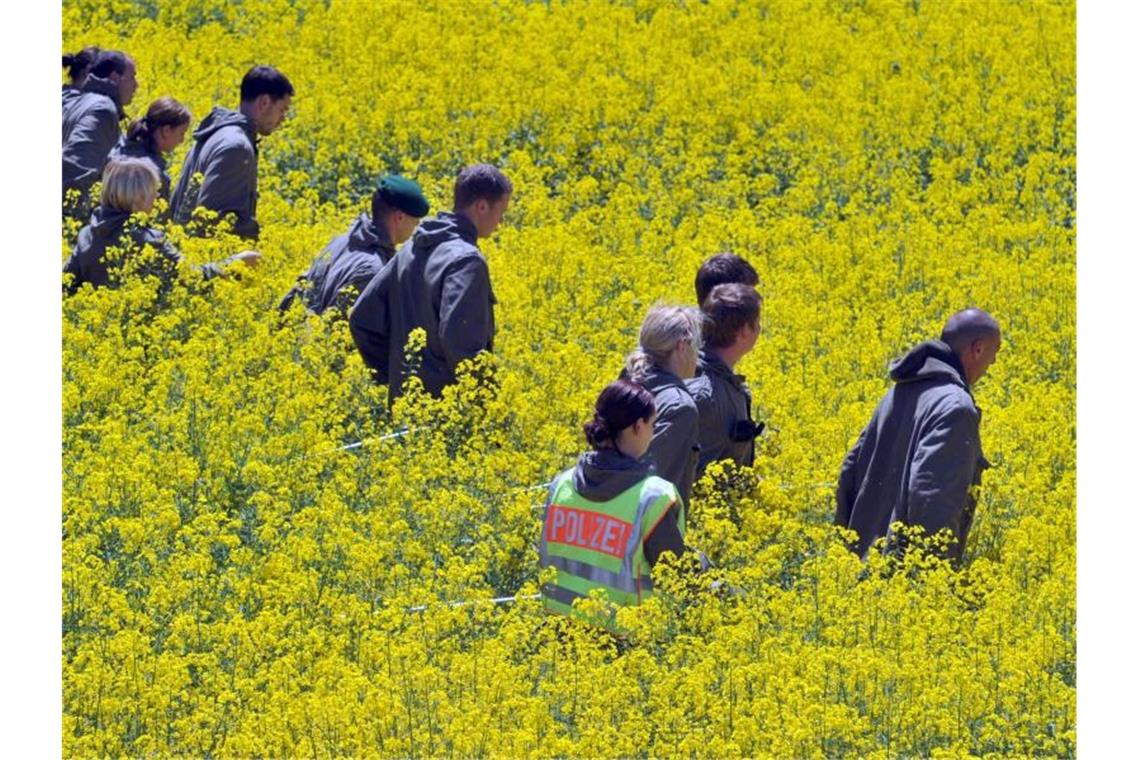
[920,456]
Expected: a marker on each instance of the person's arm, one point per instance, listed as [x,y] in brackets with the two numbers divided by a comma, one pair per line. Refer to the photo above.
[847,489]
[228,182]
[368,322]
[464,319]
[942,471]
[88,146]
[674,436]
[665,537]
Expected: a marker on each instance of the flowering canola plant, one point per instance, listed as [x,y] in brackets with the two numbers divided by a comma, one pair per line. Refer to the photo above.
[233,585]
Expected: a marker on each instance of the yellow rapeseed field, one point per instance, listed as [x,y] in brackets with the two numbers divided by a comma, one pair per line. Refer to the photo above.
[234,587]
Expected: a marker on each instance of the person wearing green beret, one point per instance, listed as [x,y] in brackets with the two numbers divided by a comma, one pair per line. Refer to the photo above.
[350,261]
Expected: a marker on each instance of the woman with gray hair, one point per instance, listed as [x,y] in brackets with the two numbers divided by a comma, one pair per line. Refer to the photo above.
[666,356]
[113,241]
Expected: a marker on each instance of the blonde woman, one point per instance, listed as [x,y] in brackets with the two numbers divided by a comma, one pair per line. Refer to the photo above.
[666,356]
[130,185]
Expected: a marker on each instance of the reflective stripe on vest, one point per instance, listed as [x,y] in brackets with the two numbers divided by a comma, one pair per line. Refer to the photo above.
[599,544]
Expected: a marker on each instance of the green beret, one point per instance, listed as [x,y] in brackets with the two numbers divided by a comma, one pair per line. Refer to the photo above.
[403,194]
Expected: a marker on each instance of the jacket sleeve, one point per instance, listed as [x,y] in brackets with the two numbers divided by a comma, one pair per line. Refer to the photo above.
[943,470]
[665,537]
[228,185]
[368,322]
[464,311]
[674,436]
[91,141]
[848,487]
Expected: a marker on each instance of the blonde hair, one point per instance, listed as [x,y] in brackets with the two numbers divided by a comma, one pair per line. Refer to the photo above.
[128,183]
[661,330]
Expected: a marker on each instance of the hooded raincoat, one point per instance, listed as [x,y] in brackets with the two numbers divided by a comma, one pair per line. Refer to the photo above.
[438,281]
[343,270]
[722,400]
[90,130]
[125,148]
[225,154]
[675,447]
[109,228]
[919,457]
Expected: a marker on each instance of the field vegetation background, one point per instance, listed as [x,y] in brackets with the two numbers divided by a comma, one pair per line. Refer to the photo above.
[233,586]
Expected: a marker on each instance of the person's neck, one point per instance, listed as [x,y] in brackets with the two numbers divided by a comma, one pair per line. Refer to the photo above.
[246,110]
[726,355]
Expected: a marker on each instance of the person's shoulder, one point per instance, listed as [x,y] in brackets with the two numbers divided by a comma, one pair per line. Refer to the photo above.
[657,486]
[700,387]
[677,400]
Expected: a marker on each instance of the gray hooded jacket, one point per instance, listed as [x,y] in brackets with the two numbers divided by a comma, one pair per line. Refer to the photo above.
[604,474]
[438,281]
[225,154]
[675,447]
[90,130]
[722,400]
[919,456]
[111,228]
[344,268]
[125,148]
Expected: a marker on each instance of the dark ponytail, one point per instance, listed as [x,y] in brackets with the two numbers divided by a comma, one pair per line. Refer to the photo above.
[164,112]
[78,64]
[619,405]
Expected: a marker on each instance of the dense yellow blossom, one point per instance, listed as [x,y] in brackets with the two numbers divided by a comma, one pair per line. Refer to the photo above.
[235,586]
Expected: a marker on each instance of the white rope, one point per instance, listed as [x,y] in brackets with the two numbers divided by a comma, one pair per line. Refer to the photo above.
[368,441]
[496,601]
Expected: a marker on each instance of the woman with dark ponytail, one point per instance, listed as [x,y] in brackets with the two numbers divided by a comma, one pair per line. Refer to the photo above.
[91,126]
[77,65]
[153,136]
[609,518]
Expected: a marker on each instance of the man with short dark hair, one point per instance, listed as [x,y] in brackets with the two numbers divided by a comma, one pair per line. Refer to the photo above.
[920,457]
[225,153]
[725,428]
[439,282]
[722,269]
[342,271]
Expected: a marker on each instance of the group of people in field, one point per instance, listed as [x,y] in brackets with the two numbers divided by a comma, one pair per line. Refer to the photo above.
[678,405]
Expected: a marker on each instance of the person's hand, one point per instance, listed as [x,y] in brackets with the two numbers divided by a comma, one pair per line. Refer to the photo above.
[249,258]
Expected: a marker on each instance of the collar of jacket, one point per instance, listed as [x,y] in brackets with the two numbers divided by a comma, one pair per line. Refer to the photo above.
[463,226]
[106,88]
[714,365]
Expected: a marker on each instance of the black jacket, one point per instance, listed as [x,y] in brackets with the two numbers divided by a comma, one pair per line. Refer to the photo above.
[723,401]
[344,268]
[225,154]
[110,240]
[438,281]
[90,130]
[125,148]
[920,455]
[675,447]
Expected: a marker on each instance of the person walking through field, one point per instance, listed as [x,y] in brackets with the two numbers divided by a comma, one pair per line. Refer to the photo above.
[220,171]
[438,281]
[666,356]
[731,328]
[113,245]
[152,137]
[343,270]
[919,459]
[91,126]
[609,519]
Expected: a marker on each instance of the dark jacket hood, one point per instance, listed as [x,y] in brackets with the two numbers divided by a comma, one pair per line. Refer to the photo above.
[363,235]
[107,223]
[104,87]
[929,360]
[658,379]
[224,117]
[137,149]
[603,474]
[441,229]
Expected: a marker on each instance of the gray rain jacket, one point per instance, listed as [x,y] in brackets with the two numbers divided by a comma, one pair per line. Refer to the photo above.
[722,400]
[604,474]
[90,130]
[675,446]
[125,148]
[919,456]
[351,261]
[112,229]
[438,281]
[225,154]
